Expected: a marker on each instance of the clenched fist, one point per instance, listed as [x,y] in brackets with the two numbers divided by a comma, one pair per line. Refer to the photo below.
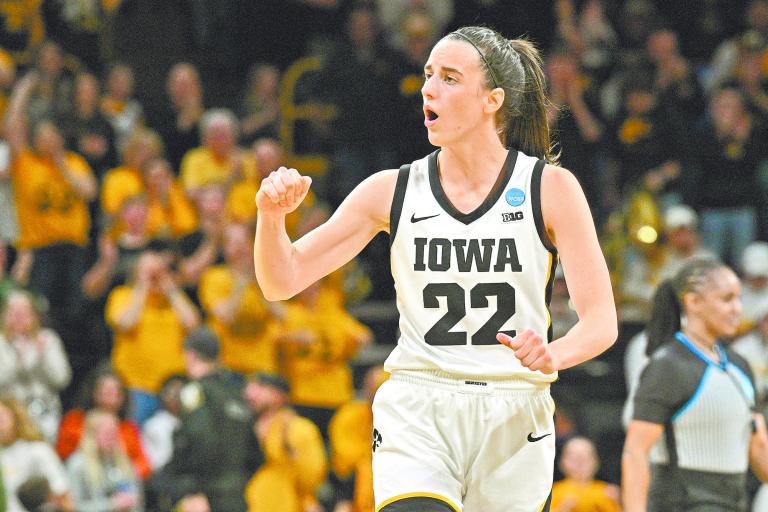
[282,191]
[532,350]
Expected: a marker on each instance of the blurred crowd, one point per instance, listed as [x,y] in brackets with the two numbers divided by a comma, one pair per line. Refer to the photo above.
[140,366]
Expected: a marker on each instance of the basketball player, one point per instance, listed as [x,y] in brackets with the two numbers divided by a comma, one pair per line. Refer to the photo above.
[476,228]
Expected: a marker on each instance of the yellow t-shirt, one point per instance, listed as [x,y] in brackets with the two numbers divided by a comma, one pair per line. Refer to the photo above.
[119,184]
[295,465]
[150,352]
[248,344]
[49,209]
[350,436]
[591,497]
[200,167]
[318,371]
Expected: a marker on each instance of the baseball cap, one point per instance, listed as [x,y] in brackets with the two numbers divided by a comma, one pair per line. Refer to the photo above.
[680,216]
[754,260]
[271,379]
[204,342]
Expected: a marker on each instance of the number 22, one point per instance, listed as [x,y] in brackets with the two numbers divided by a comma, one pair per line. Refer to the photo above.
[440,334]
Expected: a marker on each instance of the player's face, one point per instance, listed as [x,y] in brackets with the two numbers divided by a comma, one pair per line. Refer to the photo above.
[453,91]
[719,304]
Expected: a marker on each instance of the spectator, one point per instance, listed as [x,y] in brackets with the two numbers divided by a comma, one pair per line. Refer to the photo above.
[86,130]
[753,346]
[24,455]
[579,491]
[100,471]
[33,365]
[675,81]
[294,456]
[179,125]
[245,323]
[754,293]
[318,339]
[350,441]
[150,307]
[171,213]
[52,188]
[210,448]
[103,391]
[157,433]
[118,105]
[35,496]
[728,156]
[260,109]
[203,247]
[394,13]
[681,240]
[9,226]
[141,147]
[219,160]
[52,97]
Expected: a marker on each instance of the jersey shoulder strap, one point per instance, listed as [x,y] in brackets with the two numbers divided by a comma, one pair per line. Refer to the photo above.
[397,201]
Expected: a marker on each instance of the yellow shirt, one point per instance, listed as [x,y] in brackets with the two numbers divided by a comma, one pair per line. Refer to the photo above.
[318,371]
[295,465]
[249,343]
[173,218]
[200,167]
[150,352]
[49,209]
[350,436]
[590,497]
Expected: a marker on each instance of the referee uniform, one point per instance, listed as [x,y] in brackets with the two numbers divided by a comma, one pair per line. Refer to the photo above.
[701,461]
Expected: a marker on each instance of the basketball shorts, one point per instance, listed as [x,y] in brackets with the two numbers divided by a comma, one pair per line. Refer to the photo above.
[476,445]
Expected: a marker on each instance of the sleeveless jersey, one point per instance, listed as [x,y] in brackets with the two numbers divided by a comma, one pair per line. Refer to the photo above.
[461,278]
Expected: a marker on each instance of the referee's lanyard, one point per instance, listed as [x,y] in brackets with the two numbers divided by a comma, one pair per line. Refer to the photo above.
[723,365]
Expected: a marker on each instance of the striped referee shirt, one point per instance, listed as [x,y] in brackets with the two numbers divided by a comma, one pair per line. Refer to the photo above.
[706,409]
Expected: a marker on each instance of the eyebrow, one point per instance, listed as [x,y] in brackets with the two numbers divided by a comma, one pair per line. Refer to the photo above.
[428,67]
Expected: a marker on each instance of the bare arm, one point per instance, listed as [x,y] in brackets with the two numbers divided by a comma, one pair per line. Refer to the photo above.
[284,268]
[84,184]
[570,228]
[15,122]
[758,449]
[635,472]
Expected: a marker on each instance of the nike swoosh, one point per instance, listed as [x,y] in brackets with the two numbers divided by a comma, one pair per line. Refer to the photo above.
[414,218]
[532,439]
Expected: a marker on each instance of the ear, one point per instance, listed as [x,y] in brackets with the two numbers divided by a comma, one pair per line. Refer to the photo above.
[494,100]
[691,301]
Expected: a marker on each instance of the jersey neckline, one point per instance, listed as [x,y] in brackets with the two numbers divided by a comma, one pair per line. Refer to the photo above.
[493,196]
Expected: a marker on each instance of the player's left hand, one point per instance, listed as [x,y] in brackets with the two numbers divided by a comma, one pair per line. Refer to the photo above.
[532,350]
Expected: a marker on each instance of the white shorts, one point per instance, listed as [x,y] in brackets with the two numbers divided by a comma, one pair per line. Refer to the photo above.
[479,446]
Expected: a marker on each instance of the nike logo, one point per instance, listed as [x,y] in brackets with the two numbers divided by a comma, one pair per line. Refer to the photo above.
[414,218]
[532,439]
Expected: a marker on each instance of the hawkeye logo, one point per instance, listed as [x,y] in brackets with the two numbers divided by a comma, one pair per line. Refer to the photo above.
[511,216]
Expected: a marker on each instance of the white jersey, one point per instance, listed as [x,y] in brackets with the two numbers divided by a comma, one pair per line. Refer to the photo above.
[462,278]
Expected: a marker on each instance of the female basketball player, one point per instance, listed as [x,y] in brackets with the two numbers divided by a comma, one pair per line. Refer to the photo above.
[465,422]
[699,395]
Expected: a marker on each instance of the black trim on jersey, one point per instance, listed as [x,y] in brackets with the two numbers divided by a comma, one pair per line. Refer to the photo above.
[397,201]
[538,217]
[488,202]
[548,503]
[548,293]
[418,503]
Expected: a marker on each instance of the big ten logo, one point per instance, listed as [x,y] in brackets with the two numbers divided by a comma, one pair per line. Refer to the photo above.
[511,216]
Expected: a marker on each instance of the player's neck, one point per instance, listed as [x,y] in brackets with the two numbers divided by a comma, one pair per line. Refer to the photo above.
[473,162]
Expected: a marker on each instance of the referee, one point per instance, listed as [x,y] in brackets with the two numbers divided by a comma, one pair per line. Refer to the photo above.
[694,432]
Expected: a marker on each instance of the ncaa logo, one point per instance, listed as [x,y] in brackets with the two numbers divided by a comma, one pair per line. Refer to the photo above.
[515,196]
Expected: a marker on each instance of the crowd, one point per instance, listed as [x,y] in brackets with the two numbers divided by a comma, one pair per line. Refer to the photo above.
[140,366]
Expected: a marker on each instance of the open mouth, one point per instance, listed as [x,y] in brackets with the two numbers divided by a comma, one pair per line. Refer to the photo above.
[431,115]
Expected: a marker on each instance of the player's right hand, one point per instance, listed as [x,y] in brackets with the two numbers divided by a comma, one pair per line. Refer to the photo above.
[282,191]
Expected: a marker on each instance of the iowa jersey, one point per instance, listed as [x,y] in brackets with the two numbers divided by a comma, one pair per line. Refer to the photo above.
[463,277]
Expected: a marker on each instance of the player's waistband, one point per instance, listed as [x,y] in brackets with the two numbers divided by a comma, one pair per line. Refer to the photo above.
[469,384]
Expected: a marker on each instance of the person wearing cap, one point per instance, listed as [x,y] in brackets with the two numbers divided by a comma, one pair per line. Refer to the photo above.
[754,293]
[294,461]
[210,448]
[681,240]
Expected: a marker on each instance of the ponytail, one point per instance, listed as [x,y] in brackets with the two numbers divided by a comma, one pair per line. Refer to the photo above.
[515,65]
[528,130]
[665,316]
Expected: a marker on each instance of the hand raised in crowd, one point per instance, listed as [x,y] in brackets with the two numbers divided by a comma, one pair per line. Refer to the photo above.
[532,350]
[282,191]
